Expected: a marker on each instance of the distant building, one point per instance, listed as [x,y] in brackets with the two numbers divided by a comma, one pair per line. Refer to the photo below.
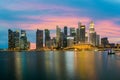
[65,36]
[64,41]
[77,35]
[61,39]
[39,39]
[58,33]
[112,45]
[28,45]
[97,40]
[82,33]
[104,42]
[17,40]
[11,43]
[72,32]
[47,38]
[92,34]
[70,41]
[53,42]
[23,40]
[86,37]
[65,30]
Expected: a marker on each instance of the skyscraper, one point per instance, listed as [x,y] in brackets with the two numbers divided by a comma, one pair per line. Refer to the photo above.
[77,35]
[65,37]
[97,40]
[23,40]
[58,33]
[65,30]
[17,40]
[53,42]
[92,34]
[39,39]
[82,33]
[47,38]
[61,39]
[11,44]
[72,32]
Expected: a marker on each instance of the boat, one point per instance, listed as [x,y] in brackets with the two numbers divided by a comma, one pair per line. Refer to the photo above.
[111,52]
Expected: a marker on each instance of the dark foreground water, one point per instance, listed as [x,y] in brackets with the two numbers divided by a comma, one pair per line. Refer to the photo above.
[59,65]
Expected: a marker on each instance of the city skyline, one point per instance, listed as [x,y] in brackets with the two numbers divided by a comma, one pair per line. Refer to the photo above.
[38,14]
[64,38]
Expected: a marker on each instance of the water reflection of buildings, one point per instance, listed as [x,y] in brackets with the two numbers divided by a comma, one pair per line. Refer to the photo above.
[18,66]
[85,65]
[59,65]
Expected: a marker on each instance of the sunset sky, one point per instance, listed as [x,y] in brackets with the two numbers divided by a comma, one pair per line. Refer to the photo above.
[41,14]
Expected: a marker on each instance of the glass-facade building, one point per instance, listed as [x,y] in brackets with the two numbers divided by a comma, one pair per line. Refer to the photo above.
[39,39]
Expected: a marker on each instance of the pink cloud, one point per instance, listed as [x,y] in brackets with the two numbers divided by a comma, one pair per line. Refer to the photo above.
[51,22]
[108,28]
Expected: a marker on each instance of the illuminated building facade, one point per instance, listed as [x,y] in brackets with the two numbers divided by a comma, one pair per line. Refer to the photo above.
[92,34]
[17,40]
[58,33]
[82,33]
[47,38]
[23,40]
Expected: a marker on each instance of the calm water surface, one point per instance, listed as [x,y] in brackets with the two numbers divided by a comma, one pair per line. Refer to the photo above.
[59,65]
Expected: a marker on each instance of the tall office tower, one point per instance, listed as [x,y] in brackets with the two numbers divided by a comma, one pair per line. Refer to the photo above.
[77,35]
[64,41]
[11,43]
[39,39]
[58,32]
[97,40]
[92,34]
[72,32]
[23,40]
[61,39]
[104,42]
[86,37]
[17,40]
[82,33]
[53,41]
[65,30]
[65,37]
[47,38]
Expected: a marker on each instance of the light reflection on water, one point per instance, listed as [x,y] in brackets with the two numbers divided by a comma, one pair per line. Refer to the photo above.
[59,65]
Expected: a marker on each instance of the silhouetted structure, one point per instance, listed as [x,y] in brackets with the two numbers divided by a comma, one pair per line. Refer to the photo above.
[82,33]
[65,30]
[39,39]
[47,38]
[104,42]
[11,43]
